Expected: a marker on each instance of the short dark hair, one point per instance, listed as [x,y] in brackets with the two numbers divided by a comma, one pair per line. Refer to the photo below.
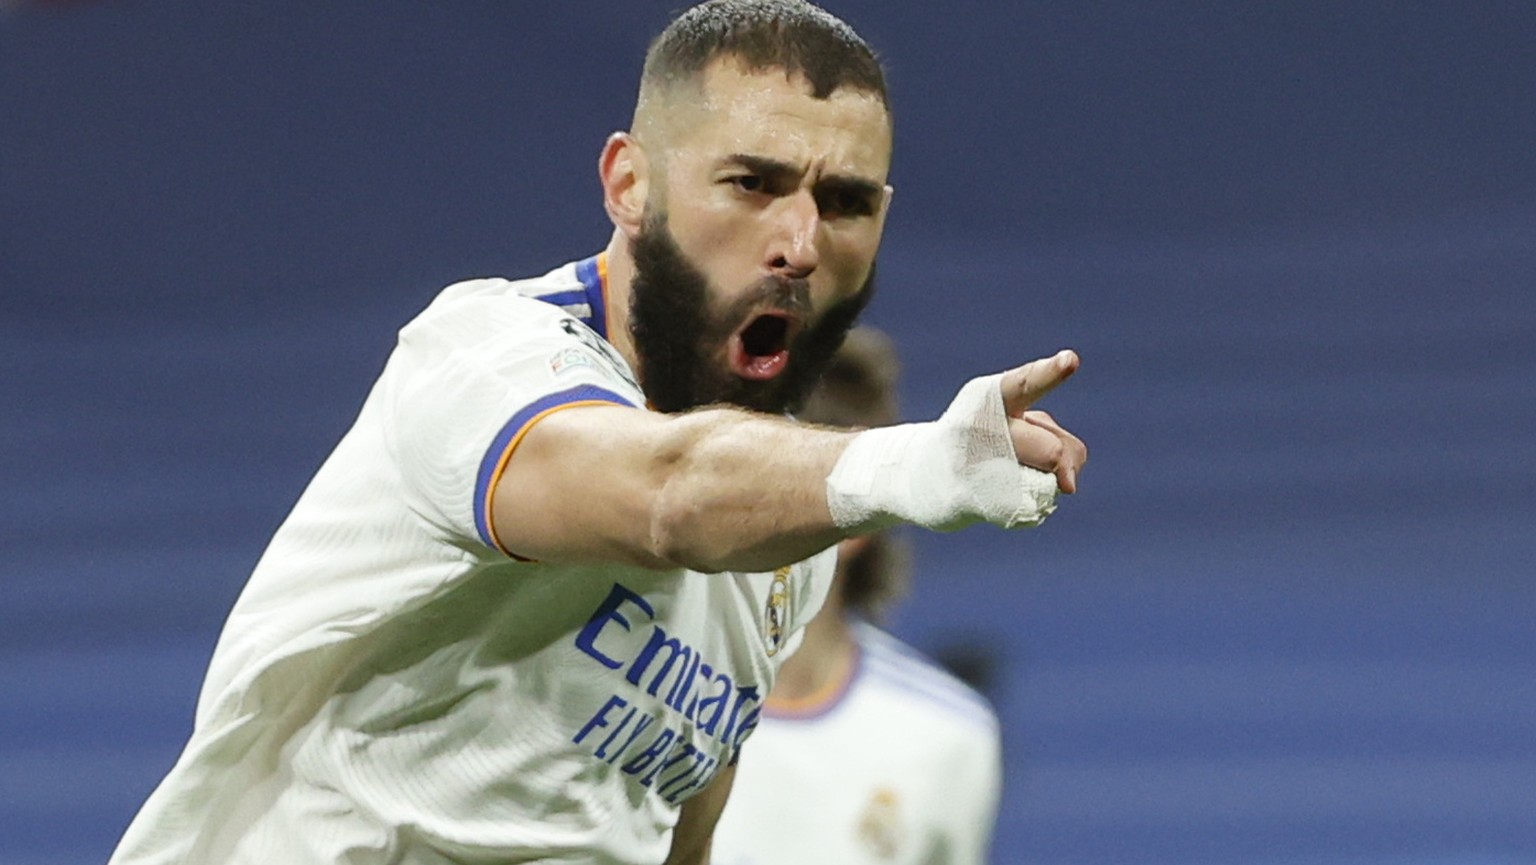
[858,389]
[793,35]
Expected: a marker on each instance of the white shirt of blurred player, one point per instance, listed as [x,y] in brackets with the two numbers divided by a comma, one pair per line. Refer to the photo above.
[393,687]
[899,765]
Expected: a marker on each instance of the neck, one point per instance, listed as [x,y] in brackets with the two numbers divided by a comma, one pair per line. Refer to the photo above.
[621,275]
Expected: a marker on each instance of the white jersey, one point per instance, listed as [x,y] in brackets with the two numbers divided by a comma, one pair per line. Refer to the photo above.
[898,765]
[395,687]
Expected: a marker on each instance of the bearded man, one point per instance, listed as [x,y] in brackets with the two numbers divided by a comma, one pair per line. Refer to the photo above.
[529,608]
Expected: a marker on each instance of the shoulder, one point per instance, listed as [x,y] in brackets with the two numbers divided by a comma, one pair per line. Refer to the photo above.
[559,317]
[490,303]
[920,683]
[484,361]
[562,287]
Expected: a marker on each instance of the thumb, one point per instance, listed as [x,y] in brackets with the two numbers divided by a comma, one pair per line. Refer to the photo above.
[1025,385]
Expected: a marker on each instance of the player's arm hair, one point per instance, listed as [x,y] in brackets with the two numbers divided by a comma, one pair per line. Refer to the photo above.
[712,490]
[696,823]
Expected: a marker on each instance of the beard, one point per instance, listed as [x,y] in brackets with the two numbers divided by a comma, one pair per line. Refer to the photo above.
[680,337]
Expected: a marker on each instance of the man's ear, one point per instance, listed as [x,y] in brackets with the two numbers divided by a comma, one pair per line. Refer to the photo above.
[625,173]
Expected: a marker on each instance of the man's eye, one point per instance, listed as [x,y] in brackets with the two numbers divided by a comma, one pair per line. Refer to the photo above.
[842,203]
[748,182]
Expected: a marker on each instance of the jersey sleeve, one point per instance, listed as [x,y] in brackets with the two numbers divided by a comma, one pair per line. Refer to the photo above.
[467,381]
[967,819]
[977,822]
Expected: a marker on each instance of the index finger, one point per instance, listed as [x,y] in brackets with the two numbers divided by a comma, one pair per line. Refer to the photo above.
[1025,385]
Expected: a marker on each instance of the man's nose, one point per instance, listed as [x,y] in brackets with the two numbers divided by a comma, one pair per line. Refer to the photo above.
[792,251]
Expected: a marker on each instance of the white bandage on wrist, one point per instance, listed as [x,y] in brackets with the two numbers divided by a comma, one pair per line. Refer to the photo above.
[944,474]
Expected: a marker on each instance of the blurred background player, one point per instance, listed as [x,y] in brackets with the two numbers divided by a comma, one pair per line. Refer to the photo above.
[867,751]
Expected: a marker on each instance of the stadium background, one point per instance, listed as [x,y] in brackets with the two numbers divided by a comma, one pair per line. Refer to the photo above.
[1288,620]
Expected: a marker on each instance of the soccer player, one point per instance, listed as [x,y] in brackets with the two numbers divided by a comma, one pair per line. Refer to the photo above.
[867,752]
[529,608]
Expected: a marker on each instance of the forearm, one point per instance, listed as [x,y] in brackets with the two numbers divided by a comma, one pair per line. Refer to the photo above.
[751,493]
[739,491]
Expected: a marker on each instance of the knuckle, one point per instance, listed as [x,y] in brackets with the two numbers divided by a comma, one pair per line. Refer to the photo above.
[1057,451]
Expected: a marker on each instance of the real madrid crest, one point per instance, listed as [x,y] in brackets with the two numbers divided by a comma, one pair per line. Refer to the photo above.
[776,614]
[880,826]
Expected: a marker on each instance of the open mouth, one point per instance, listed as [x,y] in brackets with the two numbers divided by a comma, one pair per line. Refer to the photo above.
[760,350]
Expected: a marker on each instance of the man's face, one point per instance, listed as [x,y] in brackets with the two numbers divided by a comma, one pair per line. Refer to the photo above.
[766,207]
[680,332]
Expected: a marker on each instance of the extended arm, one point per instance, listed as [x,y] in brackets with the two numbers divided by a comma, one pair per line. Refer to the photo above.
[711,490]
[722,489]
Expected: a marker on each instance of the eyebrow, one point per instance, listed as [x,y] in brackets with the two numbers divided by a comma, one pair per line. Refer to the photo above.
[774,169]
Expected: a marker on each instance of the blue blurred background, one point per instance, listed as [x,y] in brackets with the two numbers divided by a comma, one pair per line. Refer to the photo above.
[1289,619]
